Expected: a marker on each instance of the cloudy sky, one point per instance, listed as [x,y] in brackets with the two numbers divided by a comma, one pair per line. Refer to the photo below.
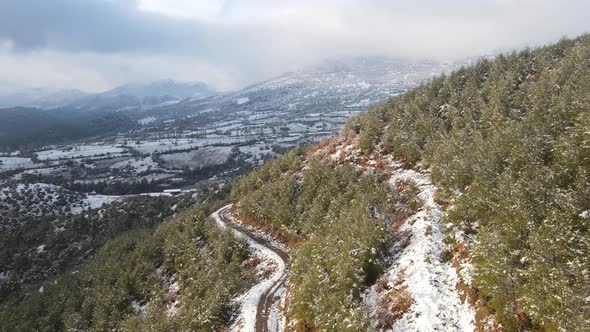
[94,45]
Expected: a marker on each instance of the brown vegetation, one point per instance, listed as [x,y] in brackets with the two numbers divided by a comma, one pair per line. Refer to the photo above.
[484,314]
[394,304]
[428,230]
[266,227]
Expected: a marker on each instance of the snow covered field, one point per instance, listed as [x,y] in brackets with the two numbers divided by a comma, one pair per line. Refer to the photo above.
[79,151]
[172,144]
[138,165]
[94,202]
[12,163]
[146,121]
[241,101]
[196,159]
[48,199]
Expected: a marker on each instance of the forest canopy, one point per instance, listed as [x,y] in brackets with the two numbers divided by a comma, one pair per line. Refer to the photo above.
[509,139]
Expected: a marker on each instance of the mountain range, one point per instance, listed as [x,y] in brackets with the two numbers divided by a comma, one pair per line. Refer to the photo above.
[344,86]
[133,94]
[458,204]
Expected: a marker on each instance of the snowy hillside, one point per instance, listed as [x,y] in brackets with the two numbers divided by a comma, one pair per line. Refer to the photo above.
[44,98]
[171,88]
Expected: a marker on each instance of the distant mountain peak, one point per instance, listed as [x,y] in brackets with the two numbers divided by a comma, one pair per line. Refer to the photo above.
[131,95]
[40,97]
[163,88]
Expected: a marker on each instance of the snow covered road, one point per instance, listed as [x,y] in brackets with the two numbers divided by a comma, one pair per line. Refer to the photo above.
[259,306]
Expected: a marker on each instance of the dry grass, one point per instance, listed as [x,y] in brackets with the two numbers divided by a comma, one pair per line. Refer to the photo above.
[382,284]
[460,252]
[395,222]
[428,230]
[398,303]
[379,161]
[401,301]
[323,143]
[404,238]
[342,157]
[400,278]
[484,314]
[468,294]
[331,150]
[524,321]
[386,149]
[266,226]
[349,139]
[401,213]
[312,151]
[250,262]
[394,304]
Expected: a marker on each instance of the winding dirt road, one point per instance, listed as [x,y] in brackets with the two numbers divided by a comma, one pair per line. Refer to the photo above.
[267,294]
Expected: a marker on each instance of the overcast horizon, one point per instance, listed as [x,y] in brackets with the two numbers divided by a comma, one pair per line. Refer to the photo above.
[94,45]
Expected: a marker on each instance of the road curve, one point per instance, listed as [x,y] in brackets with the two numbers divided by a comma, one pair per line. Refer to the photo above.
[265,295]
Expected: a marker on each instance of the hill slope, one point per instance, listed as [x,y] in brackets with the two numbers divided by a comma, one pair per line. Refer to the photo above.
[136,265]
[460,205]
[506,143]
[22,127]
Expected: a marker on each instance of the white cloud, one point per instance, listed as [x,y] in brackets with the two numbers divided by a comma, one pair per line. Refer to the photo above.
[203,10]
[98,72]
[233,43]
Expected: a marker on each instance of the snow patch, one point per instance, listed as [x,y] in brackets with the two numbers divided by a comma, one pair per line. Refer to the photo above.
[139,165]
[94,202]
[241,101]
[12,163]
[431,282]
[146,121]
[79,151]
[140,309]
